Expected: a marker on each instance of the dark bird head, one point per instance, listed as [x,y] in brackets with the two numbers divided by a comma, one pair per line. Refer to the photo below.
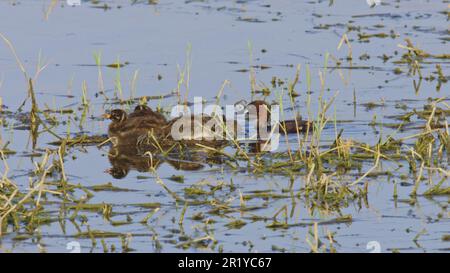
[146,112]
[142,108]
[117,172]
[116,115]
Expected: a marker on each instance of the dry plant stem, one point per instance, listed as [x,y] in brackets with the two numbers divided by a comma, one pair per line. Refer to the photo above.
[37,188]
[296,114]
[50,8]
[5,180]
[61,151]
[444,172]
[284,129]
[11,47]
[377,160]
[419,178]
[104,142]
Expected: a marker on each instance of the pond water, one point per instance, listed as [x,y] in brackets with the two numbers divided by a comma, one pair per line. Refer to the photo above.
[198,47]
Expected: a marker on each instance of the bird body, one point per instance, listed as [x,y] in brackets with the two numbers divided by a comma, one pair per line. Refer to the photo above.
[144,126]
[260,110]
[126,129]
[147,112]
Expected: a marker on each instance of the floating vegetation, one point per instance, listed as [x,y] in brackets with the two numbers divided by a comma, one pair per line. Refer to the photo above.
[107,187]
[81,140]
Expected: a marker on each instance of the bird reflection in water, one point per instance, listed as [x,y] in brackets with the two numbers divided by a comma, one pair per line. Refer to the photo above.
[124,159]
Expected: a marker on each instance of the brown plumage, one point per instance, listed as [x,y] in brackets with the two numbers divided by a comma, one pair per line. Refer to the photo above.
[147,112]
[209,132]
[262,114]
[146,127]
[126,129]
[118,118]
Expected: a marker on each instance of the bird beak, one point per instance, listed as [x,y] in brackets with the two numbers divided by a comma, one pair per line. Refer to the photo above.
[106,116]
